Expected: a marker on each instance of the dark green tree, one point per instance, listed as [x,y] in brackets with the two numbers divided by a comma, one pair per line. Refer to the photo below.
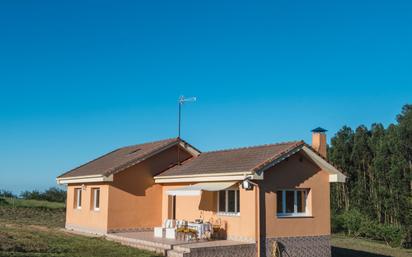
[340,154]
[378,165]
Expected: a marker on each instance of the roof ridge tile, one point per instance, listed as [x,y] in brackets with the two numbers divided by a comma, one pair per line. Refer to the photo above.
[254,146]
[171,139]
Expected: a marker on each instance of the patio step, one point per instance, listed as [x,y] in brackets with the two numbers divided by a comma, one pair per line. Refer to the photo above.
[181,248]
[177,253]
[156,247]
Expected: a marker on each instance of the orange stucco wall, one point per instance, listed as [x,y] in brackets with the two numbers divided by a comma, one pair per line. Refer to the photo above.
[86,218]
[205,207]
[297,172]
[132,200]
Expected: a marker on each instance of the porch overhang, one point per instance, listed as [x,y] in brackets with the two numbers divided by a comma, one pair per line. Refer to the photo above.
[196,189]
[216,177]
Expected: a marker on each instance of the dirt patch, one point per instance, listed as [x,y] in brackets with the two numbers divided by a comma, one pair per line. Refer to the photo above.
[32,216]
[9,225]
[41,228]
[4,237]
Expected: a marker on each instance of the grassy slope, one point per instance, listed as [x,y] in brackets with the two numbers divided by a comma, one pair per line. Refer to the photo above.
[32,203]
[343,246]
[18,240]
[31,231]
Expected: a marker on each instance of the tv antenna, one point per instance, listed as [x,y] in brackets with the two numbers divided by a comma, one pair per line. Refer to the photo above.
[182,100]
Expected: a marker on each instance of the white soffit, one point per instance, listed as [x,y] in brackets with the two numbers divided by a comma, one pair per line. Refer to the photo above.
[196,189]
[334,174]
[84,179]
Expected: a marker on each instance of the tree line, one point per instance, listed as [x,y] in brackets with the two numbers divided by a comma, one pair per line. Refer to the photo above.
[52,194]
[376,200]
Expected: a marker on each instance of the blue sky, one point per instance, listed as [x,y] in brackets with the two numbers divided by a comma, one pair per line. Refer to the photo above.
[80,78]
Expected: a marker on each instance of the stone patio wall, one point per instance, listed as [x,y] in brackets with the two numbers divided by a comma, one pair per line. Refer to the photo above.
[308,246]
[246,250]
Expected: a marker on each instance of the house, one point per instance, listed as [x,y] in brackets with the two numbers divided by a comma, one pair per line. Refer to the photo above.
[265,195]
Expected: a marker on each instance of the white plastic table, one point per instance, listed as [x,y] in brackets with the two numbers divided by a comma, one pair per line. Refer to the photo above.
[201,228]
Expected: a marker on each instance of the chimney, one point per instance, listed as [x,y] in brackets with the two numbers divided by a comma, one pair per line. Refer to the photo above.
[319,140]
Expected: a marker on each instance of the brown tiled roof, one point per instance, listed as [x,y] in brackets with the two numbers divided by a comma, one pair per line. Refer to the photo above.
[248,159]
[119,159]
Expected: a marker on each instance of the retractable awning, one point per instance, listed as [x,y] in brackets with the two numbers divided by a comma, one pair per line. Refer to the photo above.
[197,189]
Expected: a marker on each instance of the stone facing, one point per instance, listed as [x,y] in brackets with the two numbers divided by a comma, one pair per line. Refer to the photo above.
[246,250]
[307,246]
[94,231]
[120,230]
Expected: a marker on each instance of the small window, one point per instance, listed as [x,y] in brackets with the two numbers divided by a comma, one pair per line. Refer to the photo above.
[292,202]
[78,198]
[279,202]
[301,201]
[238,200]
[96,198]
[229,202]
[222,201]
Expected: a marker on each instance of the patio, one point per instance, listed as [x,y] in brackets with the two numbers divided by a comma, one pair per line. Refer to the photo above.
[179,248]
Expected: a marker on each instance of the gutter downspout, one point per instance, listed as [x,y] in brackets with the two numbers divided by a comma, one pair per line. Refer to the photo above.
[257,213]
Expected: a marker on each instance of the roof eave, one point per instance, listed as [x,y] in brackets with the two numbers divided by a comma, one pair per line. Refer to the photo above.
[188,147]
[84,179]
[335,175]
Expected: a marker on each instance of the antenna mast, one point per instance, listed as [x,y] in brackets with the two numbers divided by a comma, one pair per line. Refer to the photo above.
[181,101]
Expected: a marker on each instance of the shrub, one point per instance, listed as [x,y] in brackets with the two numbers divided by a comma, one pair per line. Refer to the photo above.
[6,193]
[31,195]
[354,223]
[392,235]
[55,194]
[3,202]
[337,223]
[52,194]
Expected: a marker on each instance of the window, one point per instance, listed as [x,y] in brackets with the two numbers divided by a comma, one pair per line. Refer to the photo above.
[229,202]
[78,198]
[96,198]
[292,202]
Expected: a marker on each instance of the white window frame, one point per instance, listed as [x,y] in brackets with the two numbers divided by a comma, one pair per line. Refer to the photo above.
[94,191]
[226,212]
[78,195]
[295,212]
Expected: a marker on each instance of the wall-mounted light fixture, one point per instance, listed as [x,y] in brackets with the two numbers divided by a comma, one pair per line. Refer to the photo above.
[247,184]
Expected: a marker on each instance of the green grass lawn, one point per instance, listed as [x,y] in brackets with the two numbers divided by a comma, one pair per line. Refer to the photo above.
[34,228]
[23,240]
[32,203]
[343,246]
